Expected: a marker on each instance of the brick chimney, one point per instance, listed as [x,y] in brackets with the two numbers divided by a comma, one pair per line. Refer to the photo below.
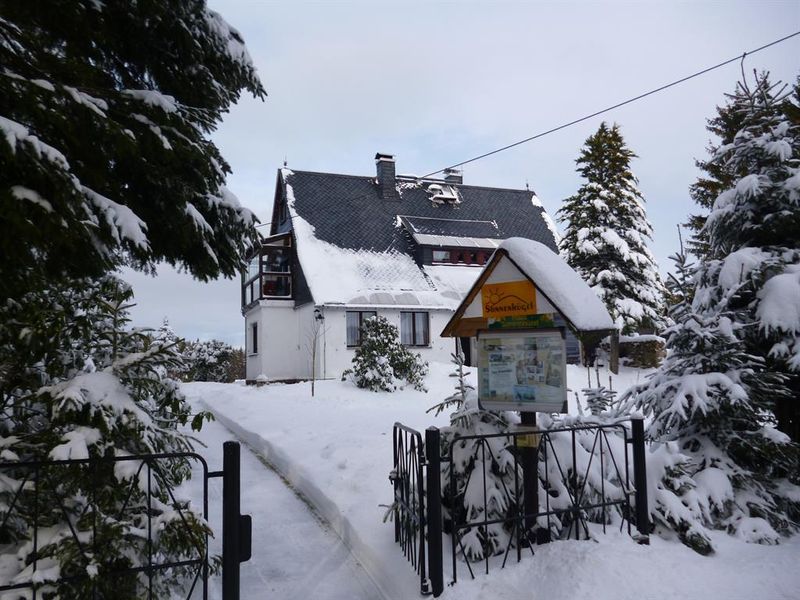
[453,176]
[384,164]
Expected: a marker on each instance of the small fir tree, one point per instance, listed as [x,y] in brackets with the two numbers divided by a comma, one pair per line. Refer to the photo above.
[381,361]
[607,233]
[462,490]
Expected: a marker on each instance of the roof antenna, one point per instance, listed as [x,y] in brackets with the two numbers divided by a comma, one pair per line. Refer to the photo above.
[527,187]
[285,162]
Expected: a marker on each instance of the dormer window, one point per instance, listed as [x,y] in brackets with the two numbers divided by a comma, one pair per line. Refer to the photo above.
[443,193]
[461,256]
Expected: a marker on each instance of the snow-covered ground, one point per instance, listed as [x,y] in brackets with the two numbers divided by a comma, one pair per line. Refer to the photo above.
[336,450]
[295,553]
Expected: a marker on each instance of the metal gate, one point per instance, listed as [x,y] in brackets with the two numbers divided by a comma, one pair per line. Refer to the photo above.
[32,496]
[417,507]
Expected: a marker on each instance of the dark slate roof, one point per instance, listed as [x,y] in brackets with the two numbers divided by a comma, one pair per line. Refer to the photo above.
[347,211]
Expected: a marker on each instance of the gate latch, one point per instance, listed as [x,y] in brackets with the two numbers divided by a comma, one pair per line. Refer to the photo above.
[245,537]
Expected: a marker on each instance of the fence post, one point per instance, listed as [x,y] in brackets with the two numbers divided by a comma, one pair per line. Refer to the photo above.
[231,504]
[640,480]
[433,486]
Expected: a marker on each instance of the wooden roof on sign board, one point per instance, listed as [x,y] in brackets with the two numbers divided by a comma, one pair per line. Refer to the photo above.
[553,278]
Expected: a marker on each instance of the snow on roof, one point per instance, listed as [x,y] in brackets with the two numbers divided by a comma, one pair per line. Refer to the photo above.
[360,277]
[565,289]
[547,220]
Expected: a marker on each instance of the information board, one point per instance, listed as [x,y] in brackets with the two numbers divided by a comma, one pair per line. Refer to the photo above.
[523,370]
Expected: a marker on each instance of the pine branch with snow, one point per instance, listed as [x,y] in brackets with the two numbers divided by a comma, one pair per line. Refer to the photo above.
[473,462]
[105,112]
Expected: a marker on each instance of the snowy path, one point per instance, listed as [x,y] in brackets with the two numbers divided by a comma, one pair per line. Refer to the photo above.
[295,554]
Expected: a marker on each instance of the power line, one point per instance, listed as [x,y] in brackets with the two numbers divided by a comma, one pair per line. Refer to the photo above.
[605,110]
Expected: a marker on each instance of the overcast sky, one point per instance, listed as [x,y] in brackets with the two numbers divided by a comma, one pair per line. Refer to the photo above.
[435,83]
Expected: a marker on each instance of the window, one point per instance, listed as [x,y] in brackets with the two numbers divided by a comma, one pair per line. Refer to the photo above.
[441,256]
[254,338]
[276,277]
[355,319]
[269,273]
[414,328]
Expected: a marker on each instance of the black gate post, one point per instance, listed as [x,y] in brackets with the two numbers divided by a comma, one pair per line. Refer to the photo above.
[530,479]
[640,480]
[236,528]
[433,485]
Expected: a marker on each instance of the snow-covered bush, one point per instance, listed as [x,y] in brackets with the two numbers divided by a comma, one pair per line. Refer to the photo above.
[212,360]
[78,383]
[381,361]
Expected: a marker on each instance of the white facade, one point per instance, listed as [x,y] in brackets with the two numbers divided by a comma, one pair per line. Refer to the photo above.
[285,338]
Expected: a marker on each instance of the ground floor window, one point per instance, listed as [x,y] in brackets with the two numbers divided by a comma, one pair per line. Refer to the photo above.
[414,328]
[355,319]
[254,338]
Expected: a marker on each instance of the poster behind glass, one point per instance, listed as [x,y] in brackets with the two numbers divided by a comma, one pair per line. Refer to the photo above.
[523,371]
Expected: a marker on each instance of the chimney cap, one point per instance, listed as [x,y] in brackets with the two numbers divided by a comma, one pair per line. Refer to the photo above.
[383,156]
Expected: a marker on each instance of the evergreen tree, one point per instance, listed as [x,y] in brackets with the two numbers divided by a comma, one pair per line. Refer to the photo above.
[719,175]
[209,360]
[105,112]
[724,464]
[381,361]
[105,109]
[753,230]
[716,176]
[607,233]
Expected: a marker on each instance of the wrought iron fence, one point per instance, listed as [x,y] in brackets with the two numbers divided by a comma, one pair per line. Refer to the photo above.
[568,503]
[37,499]
[563,475]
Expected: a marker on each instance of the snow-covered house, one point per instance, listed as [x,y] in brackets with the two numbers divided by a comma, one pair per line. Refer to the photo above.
[343,248]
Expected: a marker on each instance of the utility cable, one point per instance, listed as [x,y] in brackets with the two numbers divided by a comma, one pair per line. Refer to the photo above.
[605,110]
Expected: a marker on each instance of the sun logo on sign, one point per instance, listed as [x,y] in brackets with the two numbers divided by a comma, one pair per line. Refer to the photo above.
[494,295]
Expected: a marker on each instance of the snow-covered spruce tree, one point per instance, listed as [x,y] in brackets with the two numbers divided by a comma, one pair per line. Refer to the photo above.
[719,175]
[381,361]
[166,336]
[105,111]
[676,504]
[462,490]
[78,383]
[726,467]
[753,229]
[607,232]
[716,176]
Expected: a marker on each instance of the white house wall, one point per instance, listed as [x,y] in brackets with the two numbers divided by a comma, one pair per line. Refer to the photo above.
[283,340]
[337,356]
[285,336]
